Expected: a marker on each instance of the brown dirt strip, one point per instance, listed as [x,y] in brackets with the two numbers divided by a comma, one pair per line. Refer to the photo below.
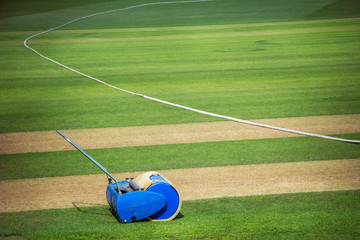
[45,141]
[197,183]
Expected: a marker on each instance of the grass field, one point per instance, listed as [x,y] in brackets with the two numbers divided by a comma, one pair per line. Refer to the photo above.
[245,59]
[290,216]
[288,68]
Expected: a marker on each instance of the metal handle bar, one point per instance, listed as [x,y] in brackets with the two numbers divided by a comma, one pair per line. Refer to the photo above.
[91,159]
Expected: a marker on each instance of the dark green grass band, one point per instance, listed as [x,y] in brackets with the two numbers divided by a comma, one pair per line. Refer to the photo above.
[323,215]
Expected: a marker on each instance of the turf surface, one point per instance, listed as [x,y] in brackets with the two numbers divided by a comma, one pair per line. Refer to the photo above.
[149,158]
[326,215]
[282,69]
[285,67]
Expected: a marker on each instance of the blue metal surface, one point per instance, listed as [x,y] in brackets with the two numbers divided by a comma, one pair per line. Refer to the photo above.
[162,187]
[135,205]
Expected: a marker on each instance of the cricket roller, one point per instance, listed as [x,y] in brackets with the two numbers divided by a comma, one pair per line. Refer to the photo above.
[149,196]
[157,183]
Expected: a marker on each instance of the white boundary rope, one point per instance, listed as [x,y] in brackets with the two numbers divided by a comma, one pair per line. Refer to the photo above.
[165,102]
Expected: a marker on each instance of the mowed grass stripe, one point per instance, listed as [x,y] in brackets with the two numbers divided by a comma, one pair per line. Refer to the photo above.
[87,110]
[325,215]
[244,77]
[194,183]
[320,215]
[184,28]
[194,36]
[192,32]
[177,156]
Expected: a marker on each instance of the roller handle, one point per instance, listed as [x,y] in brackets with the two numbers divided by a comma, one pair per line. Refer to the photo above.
[91,159]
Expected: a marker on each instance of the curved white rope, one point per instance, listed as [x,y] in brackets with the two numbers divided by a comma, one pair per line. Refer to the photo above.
[165,102]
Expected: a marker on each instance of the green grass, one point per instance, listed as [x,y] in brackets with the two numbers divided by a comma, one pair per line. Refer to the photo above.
[14,8]
[245,71]
[339,9]
[148,158]
[326,215]
[278,67]
[42,14]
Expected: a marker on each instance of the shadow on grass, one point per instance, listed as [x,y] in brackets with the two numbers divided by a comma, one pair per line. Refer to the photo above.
[12,237]
[95,211]
[179,216]
[88,210]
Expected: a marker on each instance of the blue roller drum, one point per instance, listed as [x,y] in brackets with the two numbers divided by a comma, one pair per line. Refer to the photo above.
[157,183]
